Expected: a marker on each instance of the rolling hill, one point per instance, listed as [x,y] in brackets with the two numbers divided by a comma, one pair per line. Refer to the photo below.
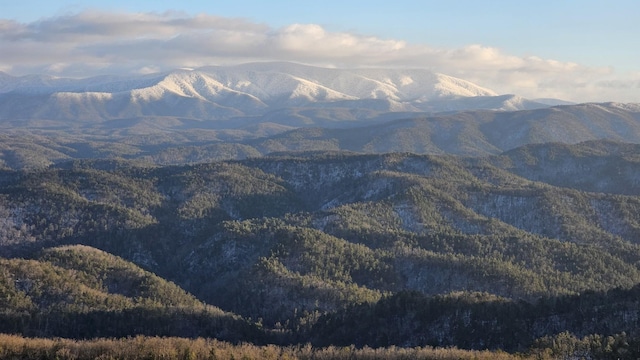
[469,133]
[81,292]
[291,240]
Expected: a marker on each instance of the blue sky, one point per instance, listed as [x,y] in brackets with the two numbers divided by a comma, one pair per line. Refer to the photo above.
[577,50]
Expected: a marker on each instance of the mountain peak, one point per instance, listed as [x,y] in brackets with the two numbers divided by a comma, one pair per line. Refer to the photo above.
[246,91]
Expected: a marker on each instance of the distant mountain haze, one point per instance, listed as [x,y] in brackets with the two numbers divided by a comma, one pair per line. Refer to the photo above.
[219,93]
[235,112]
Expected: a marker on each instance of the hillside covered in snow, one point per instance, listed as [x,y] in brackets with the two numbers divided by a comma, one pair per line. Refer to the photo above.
[232,96]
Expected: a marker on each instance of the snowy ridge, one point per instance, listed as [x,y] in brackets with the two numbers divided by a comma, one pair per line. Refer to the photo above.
[222,93]
[450,86]
[261,81]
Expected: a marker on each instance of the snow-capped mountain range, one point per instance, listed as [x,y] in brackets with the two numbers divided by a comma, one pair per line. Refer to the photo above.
[245,91]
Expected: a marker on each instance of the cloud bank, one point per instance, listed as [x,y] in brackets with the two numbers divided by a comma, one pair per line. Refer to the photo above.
[94,42]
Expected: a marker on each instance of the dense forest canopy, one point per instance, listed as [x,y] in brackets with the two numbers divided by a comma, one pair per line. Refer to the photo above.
[330,248]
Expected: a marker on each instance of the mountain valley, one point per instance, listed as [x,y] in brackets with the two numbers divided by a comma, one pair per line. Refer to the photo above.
[280,205]
[294,238]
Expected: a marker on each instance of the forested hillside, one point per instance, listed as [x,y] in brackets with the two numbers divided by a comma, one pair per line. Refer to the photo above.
[468,133]
[333,248]
[81,292]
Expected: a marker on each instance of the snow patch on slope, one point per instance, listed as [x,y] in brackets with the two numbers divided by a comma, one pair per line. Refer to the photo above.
[450,86]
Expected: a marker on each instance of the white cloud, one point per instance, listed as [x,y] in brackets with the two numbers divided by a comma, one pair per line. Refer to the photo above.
[93,42]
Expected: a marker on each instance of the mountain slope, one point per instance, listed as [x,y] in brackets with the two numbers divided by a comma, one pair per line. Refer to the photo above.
[483,321]
[596,166]
[472,132]
[215,94]
[288,237]
[78,291]
[304,242]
